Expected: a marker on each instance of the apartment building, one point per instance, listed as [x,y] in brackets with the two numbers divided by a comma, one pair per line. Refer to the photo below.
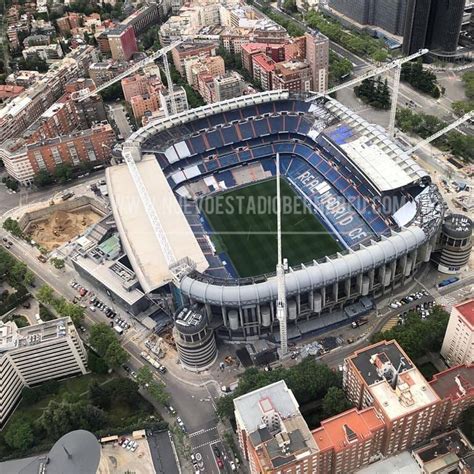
[92,145]
[212,65]
[317,54]
[263,68]
[46,52]
[174,102]
[228,86]
[36,354]
[24,109]
[455,387]
[142,91]
[349,440]
[104,71]
[134,85]
[272,433]
[141,19]
[191,49]
[141,104]
[122,42]
[384,377]
[295,76]
[458,343]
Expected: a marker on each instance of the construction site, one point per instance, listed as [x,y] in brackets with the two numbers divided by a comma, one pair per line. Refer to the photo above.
[57,224]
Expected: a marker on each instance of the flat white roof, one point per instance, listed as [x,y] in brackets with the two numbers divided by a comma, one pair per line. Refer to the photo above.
[138,237]
[379,167]
[420,394]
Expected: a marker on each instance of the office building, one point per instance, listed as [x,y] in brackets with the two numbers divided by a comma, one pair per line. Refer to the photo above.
[36,354]
[122,42]
[458,343]
[317,54]
[383,376]
[175,102]
[433,24]
[388,15]
[455,387]
[272,433]
[228,86]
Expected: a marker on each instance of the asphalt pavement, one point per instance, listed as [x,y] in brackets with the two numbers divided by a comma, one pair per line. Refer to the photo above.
[118,114]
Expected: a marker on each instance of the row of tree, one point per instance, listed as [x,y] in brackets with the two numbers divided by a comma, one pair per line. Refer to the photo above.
[374,92]
[339,68]
[424,125]
[421,79]
[91,411]
[64,308]
[309,380]
[418,336]
[361,44]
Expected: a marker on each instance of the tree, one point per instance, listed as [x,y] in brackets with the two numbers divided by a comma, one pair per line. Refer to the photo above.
[57,263]
[144,375]
[19,435]
[334,402]
[418,336]
[380,55]
[17,273]
[112,92]
[96,364]
[158,392]
[45,294]
[28,278]
[12,226]
[75,312]
[63,173]
[101,336]
[43,178]
[115,355]
[99,396]
[35,64]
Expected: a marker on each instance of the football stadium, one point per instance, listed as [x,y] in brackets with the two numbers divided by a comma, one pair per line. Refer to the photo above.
[194,208]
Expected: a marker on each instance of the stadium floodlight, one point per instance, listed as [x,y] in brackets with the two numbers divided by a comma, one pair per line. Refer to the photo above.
[280,273]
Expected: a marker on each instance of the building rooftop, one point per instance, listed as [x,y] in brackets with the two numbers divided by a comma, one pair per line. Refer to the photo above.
[341,430]
[467,311]
[12,337]
[443,452]
[393,380]
[455,382]
[264,62]
[138,237]
[276,428]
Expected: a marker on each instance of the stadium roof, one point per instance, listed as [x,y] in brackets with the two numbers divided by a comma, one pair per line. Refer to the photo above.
[379,168]
[138,237]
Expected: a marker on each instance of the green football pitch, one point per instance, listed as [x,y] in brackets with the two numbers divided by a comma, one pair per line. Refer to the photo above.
[244,226]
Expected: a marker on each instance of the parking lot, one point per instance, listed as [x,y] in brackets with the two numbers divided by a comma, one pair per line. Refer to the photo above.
[116,459]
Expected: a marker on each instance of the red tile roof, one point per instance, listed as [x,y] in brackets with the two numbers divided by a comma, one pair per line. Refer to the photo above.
[264,62]
[333,435]
[467,311]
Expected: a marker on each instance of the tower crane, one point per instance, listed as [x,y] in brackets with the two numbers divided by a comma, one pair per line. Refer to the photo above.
[397,64]
[280,273]
[135,67]
[451,126]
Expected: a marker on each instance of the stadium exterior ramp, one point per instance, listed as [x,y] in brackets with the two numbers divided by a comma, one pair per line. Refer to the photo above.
[245,308]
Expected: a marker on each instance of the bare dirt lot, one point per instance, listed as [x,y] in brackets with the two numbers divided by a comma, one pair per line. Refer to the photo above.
[61,226]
